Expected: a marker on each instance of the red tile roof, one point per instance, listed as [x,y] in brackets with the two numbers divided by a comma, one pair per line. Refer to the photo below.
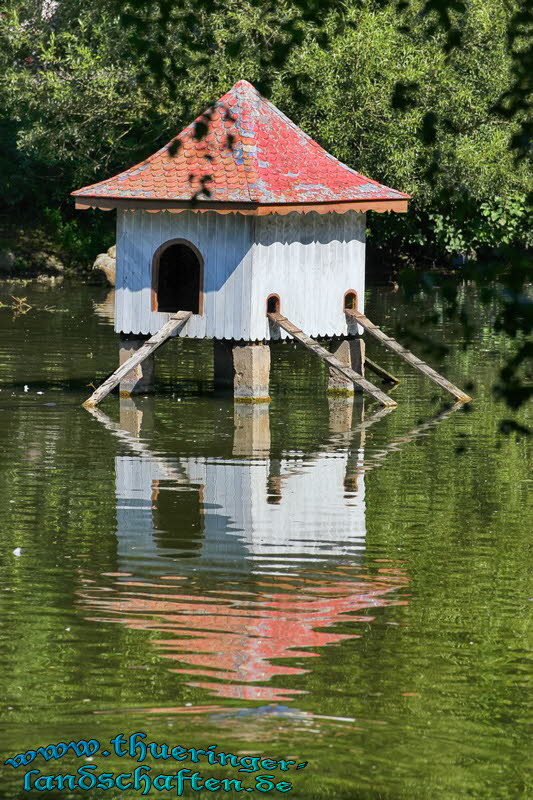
[266,160]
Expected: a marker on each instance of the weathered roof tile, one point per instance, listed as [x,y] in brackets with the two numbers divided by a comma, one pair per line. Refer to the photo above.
[270,161]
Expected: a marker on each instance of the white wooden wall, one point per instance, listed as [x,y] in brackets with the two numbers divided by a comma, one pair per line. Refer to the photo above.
[224,240]
[310,260]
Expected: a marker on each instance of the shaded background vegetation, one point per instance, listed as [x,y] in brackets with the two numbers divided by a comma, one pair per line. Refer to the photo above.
[394,91]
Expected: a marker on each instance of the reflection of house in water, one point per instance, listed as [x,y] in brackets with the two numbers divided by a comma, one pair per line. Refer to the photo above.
[239,563]
[229,512]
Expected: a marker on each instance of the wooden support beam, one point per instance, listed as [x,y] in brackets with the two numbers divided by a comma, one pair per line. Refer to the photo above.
[380,372]
[331,360]
[174,325]
[415,362]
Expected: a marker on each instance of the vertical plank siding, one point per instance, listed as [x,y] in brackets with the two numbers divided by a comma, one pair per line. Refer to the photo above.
[309,260]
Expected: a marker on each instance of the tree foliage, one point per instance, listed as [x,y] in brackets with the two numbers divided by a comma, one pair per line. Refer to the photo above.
[91,88]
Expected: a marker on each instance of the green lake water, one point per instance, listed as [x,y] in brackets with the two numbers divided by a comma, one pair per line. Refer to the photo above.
[312,580]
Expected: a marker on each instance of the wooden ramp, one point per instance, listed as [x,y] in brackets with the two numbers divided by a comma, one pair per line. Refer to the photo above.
[415,362]
[332,361]
[174,325]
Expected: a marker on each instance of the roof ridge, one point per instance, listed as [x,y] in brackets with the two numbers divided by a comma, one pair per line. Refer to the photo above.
[243,86]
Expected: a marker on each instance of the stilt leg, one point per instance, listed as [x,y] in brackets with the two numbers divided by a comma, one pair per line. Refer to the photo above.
[222,364]
[355,473]
[340,412]
[352,353]
[274,483]
[251,365]
[140,380]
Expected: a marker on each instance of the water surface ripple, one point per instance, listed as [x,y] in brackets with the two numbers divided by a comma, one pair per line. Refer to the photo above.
[315,579]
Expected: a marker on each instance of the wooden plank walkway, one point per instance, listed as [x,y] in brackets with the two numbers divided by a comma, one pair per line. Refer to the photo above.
[332,361]
[175,324]
[415,362]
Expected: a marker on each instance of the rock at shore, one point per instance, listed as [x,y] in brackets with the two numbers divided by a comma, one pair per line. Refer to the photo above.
[106,262]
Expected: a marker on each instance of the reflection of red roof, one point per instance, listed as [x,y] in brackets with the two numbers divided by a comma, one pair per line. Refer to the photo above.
[267,160]
[235,641]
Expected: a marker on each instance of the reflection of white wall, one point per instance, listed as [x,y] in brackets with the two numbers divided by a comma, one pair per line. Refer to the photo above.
[135,477]
[314,518]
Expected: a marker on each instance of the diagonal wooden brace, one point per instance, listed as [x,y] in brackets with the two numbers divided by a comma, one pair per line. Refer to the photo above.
[331,360]
[174,325]
[415,362]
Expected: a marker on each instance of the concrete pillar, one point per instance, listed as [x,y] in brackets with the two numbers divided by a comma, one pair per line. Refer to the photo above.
[222,364]
[352,353]
[252,429]
[141,379]
[251,367]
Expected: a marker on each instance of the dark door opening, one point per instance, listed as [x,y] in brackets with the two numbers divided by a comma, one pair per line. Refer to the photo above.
[273,303]
[178,279]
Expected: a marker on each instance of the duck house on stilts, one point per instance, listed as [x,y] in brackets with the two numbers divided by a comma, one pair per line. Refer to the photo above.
[243,229]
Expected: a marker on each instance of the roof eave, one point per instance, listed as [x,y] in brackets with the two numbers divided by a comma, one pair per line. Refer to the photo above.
[396,204]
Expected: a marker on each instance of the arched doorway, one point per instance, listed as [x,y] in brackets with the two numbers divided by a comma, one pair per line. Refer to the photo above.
[177,277]
[350,300]
[273,304]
